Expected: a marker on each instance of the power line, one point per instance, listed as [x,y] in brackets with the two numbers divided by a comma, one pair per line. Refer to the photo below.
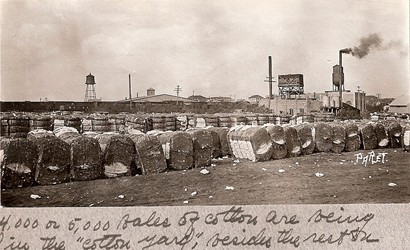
[178,89]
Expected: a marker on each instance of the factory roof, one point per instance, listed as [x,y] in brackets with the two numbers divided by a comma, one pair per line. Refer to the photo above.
[158,98]
[403,100]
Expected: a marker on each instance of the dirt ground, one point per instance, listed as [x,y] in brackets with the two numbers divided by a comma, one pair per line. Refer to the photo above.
[321,178]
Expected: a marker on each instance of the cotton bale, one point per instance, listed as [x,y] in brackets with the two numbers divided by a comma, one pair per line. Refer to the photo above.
[211,120]
[250,142]
[178,149]
[272,118]
[263,119]
[86,124]
[252,119]
[323,134]
[238,120]
[18,159]
[104,138]
[353,140]
[170,123]
[338,138]
[73,122]
[278,139]
[224,120]
[42,122]
[119,157]
[368,135]
[99,124]
[395,134]
[86,159]
[216,143]
[381,135]
[305,135]
[39,133]
[19,126]
[53,165]
[203,147]
[4,123]
[406,138]
[149,154]
[293,143]
[223,139]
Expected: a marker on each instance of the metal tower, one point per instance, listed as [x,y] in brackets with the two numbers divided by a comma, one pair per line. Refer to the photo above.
[90,90]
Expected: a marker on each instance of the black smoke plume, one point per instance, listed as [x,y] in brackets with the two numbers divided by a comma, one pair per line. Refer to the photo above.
[368,43]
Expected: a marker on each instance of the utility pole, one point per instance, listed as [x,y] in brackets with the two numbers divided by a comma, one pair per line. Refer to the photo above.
[178,89]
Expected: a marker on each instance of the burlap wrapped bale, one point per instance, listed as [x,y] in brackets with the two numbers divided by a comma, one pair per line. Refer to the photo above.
[216,144]
[238,120]
[224,121]
[19,126]
[86,159]
[250,142]
[39,133]
[381,135]
[202,143]
[323,134]
[149,155]
[211,120]
[278,139]
[66,134]
[18,159]
[170,123]
[305,135]
[395,134]
[293,143]
[353,140]
[263,119]
[181,122]
[42,122]
[73,122]
[119,157]
[338,138]
[178,149]
[99,124]
[4,123]
[53,165]
[368,135]
[223,139]
[103,139]
[252,119]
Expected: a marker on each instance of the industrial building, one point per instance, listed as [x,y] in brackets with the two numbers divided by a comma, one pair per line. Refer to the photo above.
[400,105]
[154,98]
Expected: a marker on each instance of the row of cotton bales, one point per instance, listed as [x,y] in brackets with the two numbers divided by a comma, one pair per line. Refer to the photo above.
[17,125]
[45,158]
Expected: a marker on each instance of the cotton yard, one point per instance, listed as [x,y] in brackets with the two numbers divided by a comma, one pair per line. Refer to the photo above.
[257,159]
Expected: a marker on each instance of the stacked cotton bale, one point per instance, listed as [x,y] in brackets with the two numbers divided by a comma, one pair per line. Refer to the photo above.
[238,120]
[149,154]
[305,135]
[203,147]
[41,122]
[323,134]
[272,118]
[99,124]
[178,149]
[158,122]
[381,135]
[39,133]
[224,121]
[4,123]
[368,135]
[338,138]
[170,123]
[119,157]
[181,122]
[53,164]
[263,119]
[85,158]
[252,119]
[223,139]
[211,120]
[353,140]
[58,121]
[19,126]
[320,117]
[285,119]
[293,143]
[134,124]
[116,124]
[250,142]
[86,124]
[18,159]
[191,121]
[73,122]
[395,133]
[200,121]
[278,139]
[308,118]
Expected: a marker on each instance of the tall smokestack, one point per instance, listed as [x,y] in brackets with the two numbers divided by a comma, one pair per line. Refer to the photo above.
[341,84]
[129,84]
[270,78]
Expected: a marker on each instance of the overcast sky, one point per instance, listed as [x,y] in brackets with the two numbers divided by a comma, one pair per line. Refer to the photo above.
[215,48]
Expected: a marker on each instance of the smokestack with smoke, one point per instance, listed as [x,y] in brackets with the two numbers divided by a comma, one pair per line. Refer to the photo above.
[372,41]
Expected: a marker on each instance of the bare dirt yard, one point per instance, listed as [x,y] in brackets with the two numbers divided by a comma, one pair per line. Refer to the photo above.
[321,178]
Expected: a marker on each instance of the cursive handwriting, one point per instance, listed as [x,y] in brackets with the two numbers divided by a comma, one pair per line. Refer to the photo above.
[233,215]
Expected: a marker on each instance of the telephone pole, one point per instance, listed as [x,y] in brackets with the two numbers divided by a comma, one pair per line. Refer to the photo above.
[178,89]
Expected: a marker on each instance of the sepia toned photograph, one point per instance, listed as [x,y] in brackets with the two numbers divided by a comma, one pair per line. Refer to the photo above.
[201,103]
